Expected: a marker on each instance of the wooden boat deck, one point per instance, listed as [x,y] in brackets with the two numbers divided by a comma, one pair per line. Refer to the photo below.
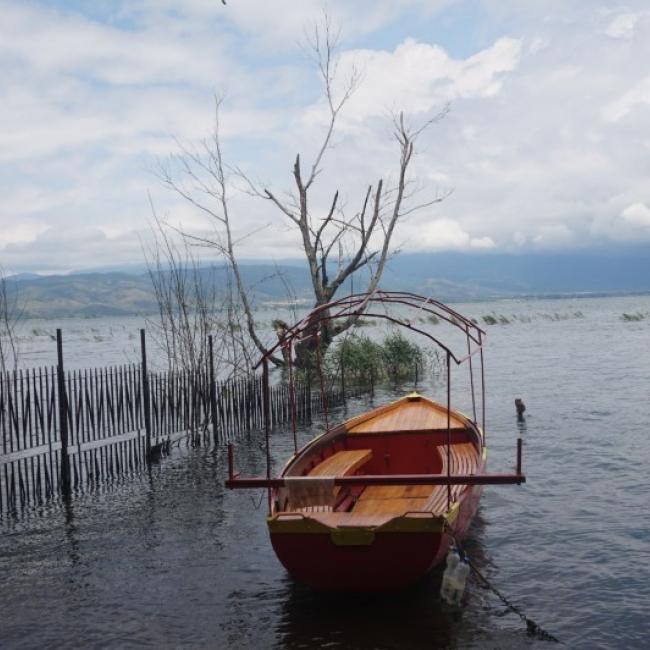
[399,499]
[406,437]
[412,415]
[378,504]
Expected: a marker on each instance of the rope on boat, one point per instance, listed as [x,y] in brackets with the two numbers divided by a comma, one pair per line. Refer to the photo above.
[532,627]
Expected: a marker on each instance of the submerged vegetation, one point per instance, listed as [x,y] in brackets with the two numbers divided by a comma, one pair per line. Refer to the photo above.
[502,319]
[634,317]
[494,318]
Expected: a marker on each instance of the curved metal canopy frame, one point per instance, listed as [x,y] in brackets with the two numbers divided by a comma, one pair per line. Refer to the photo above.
[364,304]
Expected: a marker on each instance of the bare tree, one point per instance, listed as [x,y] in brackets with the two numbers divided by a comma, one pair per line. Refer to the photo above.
[360,240]
[191,306]
[9,315]
[203,183]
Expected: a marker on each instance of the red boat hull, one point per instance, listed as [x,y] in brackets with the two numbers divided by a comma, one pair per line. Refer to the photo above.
[386,560]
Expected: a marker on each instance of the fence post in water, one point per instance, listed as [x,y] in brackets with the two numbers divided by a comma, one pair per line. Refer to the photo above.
[63,416]
[213,392]
[267,421]
[145,396]
[308,396]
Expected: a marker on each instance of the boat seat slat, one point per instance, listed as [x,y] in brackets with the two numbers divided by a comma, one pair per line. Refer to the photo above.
[397,506]
[342,463]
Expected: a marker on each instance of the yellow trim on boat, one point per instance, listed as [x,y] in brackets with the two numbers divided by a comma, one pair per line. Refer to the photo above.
[410,522]
[451,515]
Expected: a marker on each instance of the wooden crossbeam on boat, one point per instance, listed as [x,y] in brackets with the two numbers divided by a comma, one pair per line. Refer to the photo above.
[395,479]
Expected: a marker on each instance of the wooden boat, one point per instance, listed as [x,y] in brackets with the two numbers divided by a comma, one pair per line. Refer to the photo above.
[376,537]
[374,503]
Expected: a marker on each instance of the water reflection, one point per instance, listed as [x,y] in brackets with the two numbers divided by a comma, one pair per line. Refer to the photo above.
[71,534]
[522,426]
[411,619]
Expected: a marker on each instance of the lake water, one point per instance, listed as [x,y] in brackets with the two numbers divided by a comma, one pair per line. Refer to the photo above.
[172,559]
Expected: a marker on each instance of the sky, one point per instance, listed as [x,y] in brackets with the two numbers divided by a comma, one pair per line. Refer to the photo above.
[546,145]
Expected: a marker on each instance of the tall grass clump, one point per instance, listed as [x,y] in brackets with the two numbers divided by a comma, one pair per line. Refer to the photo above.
[358,357]
[401,358]
[363,361]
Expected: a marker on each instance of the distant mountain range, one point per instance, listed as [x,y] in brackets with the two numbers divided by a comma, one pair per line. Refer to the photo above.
[448,276]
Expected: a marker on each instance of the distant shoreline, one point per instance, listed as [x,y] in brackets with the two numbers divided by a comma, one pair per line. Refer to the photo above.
[302,303]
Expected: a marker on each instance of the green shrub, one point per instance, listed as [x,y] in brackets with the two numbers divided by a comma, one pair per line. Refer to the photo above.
[401,358]
[365,361]
[359,357]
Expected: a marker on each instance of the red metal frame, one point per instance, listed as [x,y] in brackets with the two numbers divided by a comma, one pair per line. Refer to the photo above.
[388,479]
[354,306]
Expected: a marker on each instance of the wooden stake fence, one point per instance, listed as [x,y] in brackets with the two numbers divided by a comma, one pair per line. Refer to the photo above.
[63,431]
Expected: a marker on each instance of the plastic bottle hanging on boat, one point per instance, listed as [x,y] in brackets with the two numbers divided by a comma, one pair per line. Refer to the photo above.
[459,580]
[448,581]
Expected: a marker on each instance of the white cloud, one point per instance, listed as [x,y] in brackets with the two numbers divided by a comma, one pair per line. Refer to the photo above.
[623,26]
[542,145]
[554,235]
[519,238]
[482,243]
[443,234]
[423,77]
[638,94]
[637,214]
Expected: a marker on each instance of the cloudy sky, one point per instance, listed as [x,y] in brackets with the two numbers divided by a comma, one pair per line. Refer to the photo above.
[546,145]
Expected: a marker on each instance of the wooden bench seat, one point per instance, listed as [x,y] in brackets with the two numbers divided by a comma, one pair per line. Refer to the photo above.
[397,499]
[464,460]
[396,506]
[380,503]
[341,463]
[351,519]
[396,491]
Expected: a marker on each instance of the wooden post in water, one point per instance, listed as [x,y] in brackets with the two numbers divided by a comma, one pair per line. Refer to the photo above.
[63,416]
[308,396]
[213,393]
[146,402]
[267,421]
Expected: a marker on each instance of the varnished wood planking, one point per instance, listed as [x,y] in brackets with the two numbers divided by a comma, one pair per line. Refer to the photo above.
[351,519]
[408,416]
[464,460]
[399,499]
[342,463]
[380,503]
[396,491]
[396,506]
